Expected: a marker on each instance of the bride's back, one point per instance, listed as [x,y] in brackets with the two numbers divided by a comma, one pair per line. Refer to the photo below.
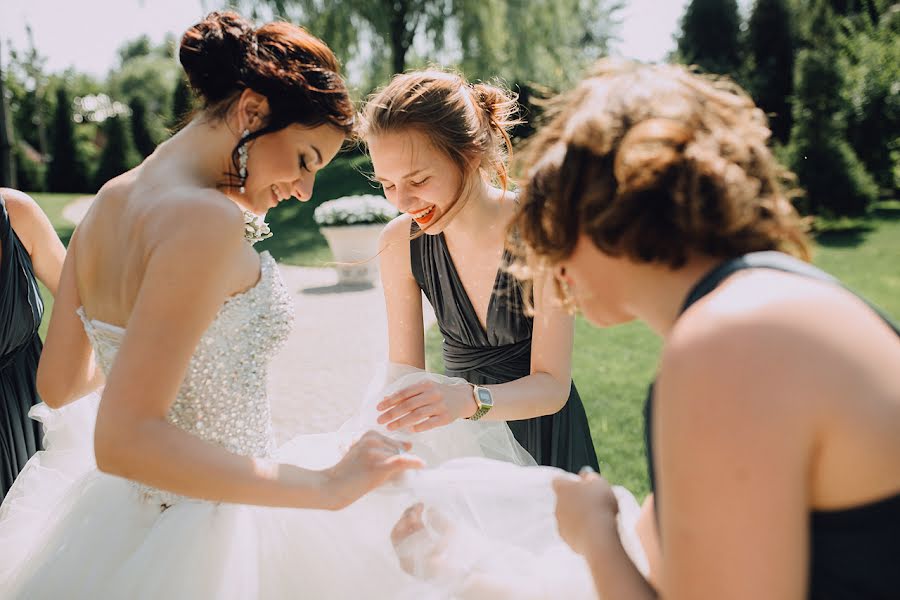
[131,216]
[111,258]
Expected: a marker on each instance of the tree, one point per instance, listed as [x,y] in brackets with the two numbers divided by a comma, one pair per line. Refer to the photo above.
[118,153]
[66,171]
[150,73]
[872,49]
[547,41]
[710,36]
[182,102]
[7,162]
[835,180]
[143,139]
[770,62]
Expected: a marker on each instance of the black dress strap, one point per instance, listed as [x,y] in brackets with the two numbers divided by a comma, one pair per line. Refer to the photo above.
[769,260]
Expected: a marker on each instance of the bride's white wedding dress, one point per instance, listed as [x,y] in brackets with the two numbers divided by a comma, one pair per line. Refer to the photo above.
[69,531]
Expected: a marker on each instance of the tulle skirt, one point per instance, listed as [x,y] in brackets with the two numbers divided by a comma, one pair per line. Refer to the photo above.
[69,531]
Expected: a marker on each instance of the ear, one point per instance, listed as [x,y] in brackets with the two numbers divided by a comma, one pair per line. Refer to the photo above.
[252,110]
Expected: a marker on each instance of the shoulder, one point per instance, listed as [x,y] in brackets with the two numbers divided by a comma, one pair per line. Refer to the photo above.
[206,225]
[752,342]
[393,243]
[25,216]
[394,251]
[399,229]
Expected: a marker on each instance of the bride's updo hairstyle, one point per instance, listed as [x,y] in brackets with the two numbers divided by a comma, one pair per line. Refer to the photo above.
[296,72]
[655,163]
[469,123]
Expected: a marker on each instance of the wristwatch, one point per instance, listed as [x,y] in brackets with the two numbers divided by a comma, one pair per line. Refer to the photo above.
[483,399]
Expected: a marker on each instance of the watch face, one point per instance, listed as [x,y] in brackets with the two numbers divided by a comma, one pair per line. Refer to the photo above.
[484,396]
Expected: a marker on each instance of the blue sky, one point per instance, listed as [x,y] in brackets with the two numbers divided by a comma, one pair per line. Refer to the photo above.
[86,33]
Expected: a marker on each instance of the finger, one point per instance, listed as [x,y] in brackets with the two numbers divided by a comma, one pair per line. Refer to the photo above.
[407,406]
[381,441]
[564,483]
[430,423]
[402,462]
[416,416]
[400,395]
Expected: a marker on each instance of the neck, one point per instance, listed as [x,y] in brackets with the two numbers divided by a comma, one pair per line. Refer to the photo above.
[479,214]
[201,154]
[656,293]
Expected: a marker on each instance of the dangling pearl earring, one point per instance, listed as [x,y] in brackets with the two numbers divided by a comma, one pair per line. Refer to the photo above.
[242,160]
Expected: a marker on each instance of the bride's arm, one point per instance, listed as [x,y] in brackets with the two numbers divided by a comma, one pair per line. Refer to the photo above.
[67,369]
[185,282]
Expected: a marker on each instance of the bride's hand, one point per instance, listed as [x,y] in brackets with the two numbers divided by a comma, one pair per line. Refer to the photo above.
[586,510]
[426,405]
[369,463]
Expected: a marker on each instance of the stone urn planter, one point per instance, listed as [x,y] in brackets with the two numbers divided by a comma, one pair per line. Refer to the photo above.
[352,225]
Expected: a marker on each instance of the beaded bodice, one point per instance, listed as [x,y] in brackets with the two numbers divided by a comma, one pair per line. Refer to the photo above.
[222,398]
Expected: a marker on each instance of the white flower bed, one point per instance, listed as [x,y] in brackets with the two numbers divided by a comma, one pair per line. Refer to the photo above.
[354,210]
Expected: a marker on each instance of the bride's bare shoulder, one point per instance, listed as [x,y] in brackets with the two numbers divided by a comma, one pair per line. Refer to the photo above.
[186,217]
[195,219]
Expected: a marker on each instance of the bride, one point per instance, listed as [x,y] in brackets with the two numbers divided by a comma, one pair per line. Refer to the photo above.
[188,497]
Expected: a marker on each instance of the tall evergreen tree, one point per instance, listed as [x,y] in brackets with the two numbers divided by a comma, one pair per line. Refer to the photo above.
[872,49]
[140,132]
[710,36]
[182,102]
[118,154]
[835,180]
[66,171]
[770,75]
[7,158]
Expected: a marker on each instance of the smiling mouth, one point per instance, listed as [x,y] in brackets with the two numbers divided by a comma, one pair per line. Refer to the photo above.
[423,217]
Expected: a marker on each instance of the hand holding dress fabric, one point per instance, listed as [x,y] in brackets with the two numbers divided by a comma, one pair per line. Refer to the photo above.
[426,405]
[373,460]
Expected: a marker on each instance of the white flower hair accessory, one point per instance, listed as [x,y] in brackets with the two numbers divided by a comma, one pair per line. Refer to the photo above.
[255,229]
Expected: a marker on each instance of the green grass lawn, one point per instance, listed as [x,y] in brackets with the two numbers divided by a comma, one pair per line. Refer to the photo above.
[612,367]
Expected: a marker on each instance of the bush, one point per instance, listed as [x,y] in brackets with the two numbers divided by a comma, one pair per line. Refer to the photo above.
[354,210]
[118,154]
[836,181]
[30,174]
[67,171]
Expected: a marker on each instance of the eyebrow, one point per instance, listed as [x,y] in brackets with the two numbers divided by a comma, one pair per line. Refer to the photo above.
[407,176]
[318,154]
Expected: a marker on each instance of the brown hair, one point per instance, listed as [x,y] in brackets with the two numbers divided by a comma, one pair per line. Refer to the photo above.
[297,73]
[655,162]
[464,121]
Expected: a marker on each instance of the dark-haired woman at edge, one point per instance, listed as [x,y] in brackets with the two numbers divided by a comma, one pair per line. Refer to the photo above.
[30,251]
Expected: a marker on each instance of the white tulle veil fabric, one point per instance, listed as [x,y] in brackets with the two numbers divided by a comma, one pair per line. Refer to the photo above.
[488,528]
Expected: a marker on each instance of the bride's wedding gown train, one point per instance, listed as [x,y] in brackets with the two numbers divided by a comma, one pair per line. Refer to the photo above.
[69,531]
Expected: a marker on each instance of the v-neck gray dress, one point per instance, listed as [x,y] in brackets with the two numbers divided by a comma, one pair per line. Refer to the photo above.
[499,354]
[21,309]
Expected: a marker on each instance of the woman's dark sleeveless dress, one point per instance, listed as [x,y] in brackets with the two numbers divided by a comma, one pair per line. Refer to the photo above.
[500,354]
[21,310]
[855,552]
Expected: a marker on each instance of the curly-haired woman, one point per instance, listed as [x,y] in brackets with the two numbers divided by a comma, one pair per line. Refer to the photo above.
[772,427]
